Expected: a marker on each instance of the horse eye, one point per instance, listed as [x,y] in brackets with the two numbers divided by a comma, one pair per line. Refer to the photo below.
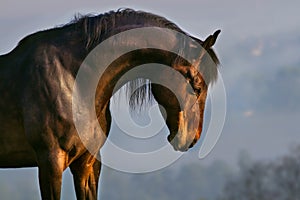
[195,92]
[198,92]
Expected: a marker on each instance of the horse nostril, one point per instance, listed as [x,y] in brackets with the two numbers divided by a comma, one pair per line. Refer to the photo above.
[170,137]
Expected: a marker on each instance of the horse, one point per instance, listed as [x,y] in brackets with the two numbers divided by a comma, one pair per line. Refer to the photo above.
[37,83]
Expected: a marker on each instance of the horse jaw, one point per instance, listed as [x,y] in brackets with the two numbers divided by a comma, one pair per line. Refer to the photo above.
[187,130]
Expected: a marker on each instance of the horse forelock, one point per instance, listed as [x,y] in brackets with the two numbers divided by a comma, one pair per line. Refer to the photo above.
[209,64]
[208,69]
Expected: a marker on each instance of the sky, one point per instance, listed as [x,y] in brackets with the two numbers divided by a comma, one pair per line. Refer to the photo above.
[236,18]
[257,121]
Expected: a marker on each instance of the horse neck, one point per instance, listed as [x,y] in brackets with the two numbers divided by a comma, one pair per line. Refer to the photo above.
[112,80]
[113,72]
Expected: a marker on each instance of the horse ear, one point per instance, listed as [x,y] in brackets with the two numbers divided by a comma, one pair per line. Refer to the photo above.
[210,40]
[207,44]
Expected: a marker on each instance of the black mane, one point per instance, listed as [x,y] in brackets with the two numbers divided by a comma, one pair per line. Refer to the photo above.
[97,26]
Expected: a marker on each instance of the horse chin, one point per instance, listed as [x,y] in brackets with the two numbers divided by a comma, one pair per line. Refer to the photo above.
[177,146]
[185,149]
[180,148]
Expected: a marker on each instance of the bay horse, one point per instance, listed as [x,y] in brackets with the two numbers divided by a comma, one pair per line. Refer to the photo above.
[36,85]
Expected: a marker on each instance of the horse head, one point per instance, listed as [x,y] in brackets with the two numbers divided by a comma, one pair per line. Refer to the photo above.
[184,111]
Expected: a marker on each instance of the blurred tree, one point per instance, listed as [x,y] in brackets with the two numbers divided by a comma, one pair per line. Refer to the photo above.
[286,176]
[277,180]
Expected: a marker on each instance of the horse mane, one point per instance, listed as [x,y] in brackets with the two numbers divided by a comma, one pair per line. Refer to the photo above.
[97,28]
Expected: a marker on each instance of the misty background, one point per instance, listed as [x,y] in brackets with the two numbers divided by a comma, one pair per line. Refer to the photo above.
[259,51]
